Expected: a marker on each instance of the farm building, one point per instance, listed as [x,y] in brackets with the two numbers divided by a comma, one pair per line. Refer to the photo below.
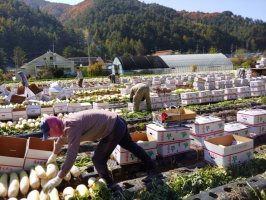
[48,60]
[172,63]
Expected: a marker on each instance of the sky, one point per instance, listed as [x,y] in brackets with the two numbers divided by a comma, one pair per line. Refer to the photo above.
[255,9]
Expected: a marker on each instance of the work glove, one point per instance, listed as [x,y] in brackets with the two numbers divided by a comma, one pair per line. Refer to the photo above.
[52,184]
[52,159]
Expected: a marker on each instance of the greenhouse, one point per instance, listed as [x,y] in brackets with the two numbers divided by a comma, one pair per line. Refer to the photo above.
[172,63]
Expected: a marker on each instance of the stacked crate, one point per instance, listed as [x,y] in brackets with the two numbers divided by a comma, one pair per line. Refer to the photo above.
[255,119]
[236,129]
[257,88]
[230,94]
[209,83]
[217,95]
[205,96]
[189,98]
[243,92]
[170,141]
[206,127]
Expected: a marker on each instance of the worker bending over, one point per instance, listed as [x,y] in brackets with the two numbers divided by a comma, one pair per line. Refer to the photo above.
[138,93]
[90,125]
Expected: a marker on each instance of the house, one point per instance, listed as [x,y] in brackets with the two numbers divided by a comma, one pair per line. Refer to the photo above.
[171,63]
[46,61]
[84,61]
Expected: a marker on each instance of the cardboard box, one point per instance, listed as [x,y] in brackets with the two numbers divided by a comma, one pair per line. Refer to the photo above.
[73,107]
[20,113]
[142,106]
[189,95]
[207,124]
[252,116]
[12,153]
[230,97]
[146,141]
[33,110]
[104,105]
[205,99]
[166,135]
[220,152]
[198,140]
[60,107]
[5,114]
[47,110]
[37,152]
[256,94]
[190,101]
[257,89]
[86,106]
[258,129]
[236,129]
[173,148]
[256,83]
[218,99]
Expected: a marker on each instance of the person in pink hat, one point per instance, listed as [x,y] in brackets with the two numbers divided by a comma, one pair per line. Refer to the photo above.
[91,125]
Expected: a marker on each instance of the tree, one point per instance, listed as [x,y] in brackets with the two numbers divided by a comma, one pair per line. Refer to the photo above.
[3,59]
[213,50]
[19,56]
[95,69]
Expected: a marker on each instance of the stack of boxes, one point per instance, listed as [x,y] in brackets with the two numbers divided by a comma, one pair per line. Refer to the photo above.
[257,88]
[243,92]
[189,98]
[255,119]
[217,95]
[220,84]
[205,96]
[170,141]
[199,84]
[209,83]
[230,94]
[206,127]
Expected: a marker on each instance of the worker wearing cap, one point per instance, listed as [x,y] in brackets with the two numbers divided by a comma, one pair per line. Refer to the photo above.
[90,125]
[138,93]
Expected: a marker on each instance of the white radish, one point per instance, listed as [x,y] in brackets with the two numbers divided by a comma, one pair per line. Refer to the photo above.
[13,188]
[82,190]
[33,195]
[12,198]
[91,181]
[34,180]
[44,196]
[51,171]
[24,183]
[3,185]
[67,177]
[68,193]
[23,199]
[54,194]
[75,171]
[40,171]
[43,182]
[101,180]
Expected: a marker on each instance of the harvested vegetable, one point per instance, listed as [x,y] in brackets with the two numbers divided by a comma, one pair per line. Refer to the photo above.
[24,183]
[34,195]
[91,181]
[68,193]
[40,172]
[13,188]
[51,171]
[44,196]
[43,182]
[54,194]
[82,191]
[75,171]
[34,180]
[67,177]
[3,185]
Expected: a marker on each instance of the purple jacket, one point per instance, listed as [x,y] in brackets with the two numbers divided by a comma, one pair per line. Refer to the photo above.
[89,125]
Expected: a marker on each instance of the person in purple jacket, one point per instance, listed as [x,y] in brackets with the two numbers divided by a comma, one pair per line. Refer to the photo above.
[90,125]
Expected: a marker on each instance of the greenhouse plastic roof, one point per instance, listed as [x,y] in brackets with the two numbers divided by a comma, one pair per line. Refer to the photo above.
[174,61]
[141,62]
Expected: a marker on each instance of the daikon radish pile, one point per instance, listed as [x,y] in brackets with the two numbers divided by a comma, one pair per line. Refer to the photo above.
[33,195]
[3,185]
[75,172]
[54,194]
[68,193]
[13,188]
[82,190]
[34,180]
[24,183]
[40,172]
[51,171]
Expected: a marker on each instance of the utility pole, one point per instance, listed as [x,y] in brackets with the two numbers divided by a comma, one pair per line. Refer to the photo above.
[89,60]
